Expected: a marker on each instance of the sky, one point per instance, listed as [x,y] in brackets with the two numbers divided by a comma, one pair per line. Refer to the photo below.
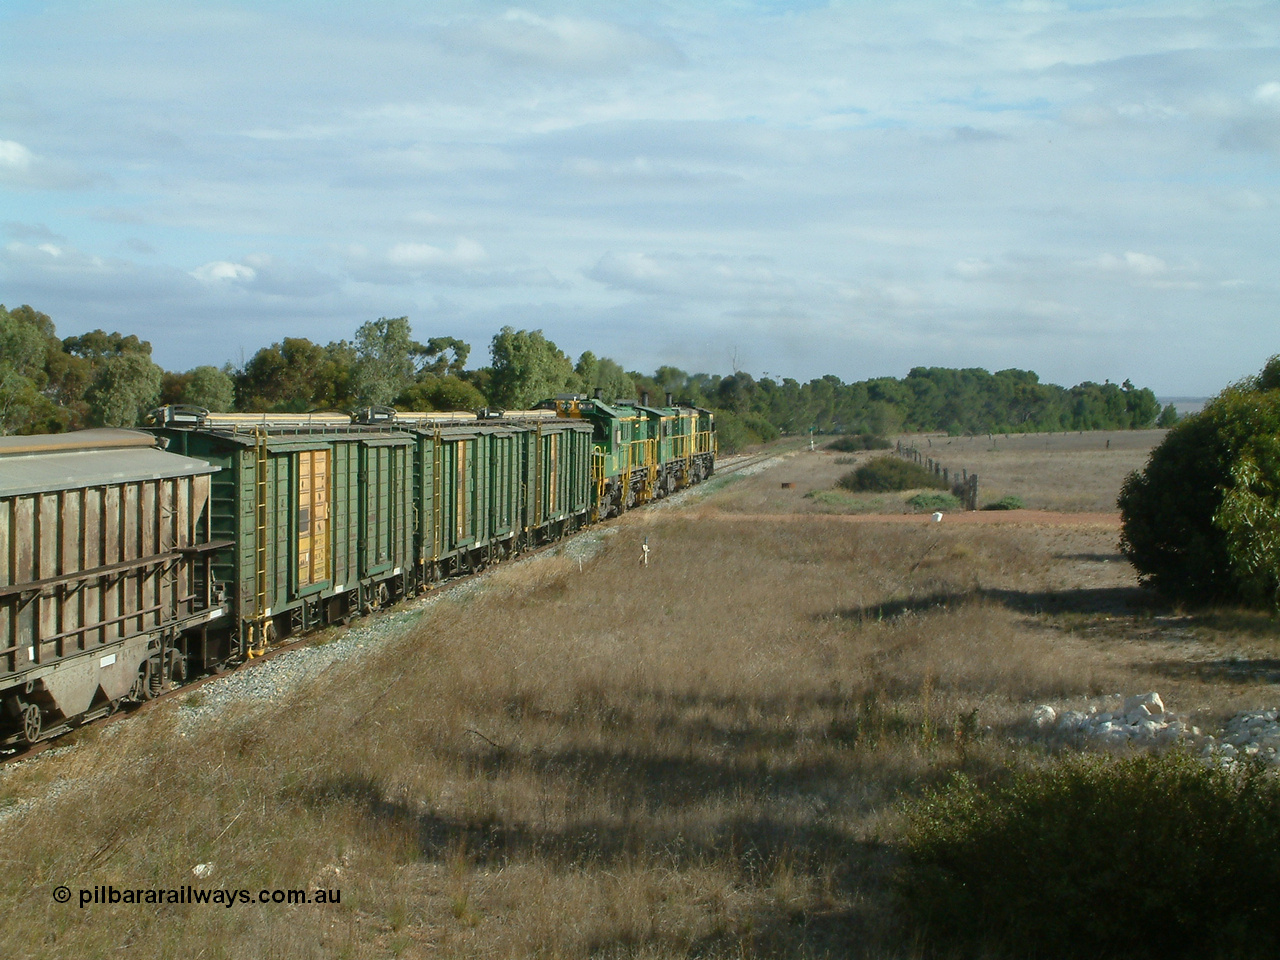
[1089,190]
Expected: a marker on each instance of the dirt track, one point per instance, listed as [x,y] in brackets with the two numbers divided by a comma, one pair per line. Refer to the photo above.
[1033,518]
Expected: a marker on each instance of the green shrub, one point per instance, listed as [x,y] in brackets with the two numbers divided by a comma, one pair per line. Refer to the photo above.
[735,432]
[852,442]
[884,474]
[929,502]
[761,430]
[1202,521]
[1158,855]
[1010,502]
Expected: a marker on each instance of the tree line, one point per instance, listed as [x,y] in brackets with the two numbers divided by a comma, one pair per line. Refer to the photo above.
[50,384]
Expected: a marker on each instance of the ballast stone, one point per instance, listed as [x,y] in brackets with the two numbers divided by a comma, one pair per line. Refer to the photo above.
[1044,716]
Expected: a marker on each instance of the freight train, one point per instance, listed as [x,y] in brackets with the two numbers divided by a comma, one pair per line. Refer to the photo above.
[131,560]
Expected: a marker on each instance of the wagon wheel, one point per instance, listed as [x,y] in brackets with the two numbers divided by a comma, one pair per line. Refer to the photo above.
[31,722]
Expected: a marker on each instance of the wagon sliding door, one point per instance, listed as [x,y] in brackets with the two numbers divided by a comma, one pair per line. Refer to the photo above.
[385,544]
[314,472]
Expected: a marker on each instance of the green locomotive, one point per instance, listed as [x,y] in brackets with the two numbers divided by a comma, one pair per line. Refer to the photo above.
[640,452]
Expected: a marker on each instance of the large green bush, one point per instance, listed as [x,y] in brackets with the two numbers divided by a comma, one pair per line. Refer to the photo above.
[1202,521]
[890,473]
[1148,855]
[735,432]
[852,442]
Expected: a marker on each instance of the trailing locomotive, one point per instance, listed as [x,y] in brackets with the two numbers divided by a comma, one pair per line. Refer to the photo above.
[642,453]
[131,560]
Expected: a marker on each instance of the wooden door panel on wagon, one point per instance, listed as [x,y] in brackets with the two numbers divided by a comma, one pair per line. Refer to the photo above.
[313,517]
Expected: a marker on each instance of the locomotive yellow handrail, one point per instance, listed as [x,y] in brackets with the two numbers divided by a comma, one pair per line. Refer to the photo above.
[598,476]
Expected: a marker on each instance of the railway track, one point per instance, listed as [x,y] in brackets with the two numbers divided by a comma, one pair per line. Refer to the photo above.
[18,753]
[726,466]
[739,462]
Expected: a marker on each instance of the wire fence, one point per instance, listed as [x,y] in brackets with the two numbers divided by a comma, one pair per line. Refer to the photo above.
[964,485]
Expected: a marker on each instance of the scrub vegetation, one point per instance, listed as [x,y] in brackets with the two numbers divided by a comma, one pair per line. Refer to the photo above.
[1100,856]
[851,442]
[885,474]
[714,755]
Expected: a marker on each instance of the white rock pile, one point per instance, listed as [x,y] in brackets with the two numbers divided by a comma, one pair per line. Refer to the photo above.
[1142,720]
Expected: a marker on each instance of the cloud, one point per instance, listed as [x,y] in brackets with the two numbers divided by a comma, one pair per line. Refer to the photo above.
[406,262]
[465,264]
[268,276]
[1268,94]
[1138,264]
[19,167]
[31,231]
[59,260]
[704,276]
[223,271]
[423,256]
[645,170]
[972,268]
[15,159]
[968,134]
[568,44]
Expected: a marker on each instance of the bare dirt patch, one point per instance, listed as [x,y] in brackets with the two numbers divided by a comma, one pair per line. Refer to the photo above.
[987,518]
[1054,473]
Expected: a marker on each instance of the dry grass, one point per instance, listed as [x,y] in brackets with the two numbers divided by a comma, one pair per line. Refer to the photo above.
[1059,471]
[698,758]
[1072,472]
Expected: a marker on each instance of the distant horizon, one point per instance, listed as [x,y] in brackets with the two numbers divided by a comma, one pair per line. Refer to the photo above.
[1184,405]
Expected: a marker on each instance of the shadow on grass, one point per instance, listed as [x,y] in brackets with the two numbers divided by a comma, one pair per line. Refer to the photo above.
[1152,608]
[1251,623]
[757,844]
[1241,670]
[854,918]
[1111,601]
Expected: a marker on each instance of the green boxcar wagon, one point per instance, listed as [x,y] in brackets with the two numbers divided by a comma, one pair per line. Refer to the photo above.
[487,487]
[316,516]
